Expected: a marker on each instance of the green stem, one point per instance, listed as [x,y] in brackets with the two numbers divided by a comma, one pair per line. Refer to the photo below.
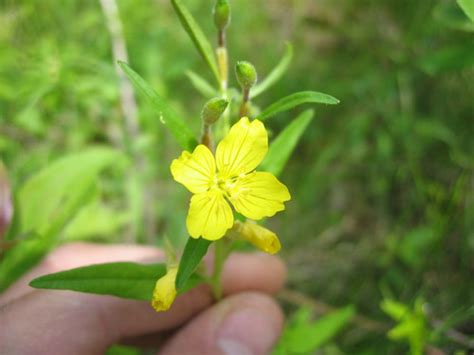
[220,255]
[222,63]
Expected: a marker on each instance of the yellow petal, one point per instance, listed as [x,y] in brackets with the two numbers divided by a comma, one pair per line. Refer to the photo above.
[196,171]
[259,195]
[261,237]
[165,291]
[209,216]
[242,149]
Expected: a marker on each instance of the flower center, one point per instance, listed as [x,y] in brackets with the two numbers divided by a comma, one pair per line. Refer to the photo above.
[225,185]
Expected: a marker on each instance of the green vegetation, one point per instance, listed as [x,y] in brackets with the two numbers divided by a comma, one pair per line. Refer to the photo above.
[379,235]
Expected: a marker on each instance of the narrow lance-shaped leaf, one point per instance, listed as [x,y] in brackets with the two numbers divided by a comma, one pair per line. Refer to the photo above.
[179,129]
[121,279]
[282,147]
[296,99]
[197,36]
[276,74]
[194,251]
[201,85]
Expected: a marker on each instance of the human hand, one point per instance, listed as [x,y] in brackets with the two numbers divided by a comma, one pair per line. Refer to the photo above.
[246,321]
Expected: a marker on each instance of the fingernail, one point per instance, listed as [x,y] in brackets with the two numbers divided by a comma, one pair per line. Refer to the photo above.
[247,331]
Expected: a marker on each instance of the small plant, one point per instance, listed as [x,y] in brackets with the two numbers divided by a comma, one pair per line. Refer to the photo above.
[228,195]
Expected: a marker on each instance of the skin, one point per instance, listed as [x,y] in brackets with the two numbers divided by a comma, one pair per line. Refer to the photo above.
[246,321]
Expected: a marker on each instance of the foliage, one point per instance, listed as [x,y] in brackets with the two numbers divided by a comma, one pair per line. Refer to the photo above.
[304,336]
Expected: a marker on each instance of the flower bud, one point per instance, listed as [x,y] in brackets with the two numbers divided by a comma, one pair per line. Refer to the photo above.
[261,237]
[246,74]
[213,109]
[221,13]
[165,291]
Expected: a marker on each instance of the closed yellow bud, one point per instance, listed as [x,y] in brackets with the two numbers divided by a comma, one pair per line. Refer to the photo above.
[165,291]
[261,237]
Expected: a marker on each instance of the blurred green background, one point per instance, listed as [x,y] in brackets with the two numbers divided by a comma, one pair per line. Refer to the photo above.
[382,216]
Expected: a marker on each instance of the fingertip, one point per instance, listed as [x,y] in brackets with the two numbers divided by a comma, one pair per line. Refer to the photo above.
[256,271]
[246,323]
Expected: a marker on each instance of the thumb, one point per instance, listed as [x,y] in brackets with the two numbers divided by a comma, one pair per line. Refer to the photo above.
[245,324]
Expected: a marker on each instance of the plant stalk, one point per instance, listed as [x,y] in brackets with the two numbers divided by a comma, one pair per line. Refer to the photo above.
[220,255]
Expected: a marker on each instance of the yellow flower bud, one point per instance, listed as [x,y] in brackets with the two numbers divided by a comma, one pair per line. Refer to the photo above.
[165,291]
[261,237]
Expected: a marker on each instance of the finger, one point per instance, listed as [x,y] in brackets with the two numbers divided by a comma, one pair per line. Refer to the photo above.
[68,321]
[260,272]
[79,254]
[244,324]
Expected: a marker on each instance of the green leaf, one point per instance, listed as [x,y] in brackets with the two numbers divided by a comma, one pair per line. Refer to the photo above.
[447,59]
[296,99]
[394,309]
[179,129]
[276,74]
[411,324]
[468,7]
[194,251]
[282,147]
[31,250]
[121,279]
[451,15]
[49,199]
[201,85]
[96,220]
[197,36]
[302,336]
[122,350]
[21,258]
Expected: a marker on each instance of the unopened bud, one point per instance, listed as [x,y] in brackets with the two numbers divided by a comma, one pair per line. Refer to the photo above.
[165,291]
[221,13]
[213,110]
[246,74]
[261,237]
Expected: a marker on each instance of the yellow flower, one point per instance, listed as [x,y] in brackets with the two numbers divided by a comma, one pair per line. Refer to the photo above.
[229,177]
[165,291]
[261,237]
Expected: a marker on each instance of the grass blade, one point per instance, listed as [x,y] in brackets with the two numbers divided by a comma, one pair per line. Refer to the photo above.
[179,129]
[276,74]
